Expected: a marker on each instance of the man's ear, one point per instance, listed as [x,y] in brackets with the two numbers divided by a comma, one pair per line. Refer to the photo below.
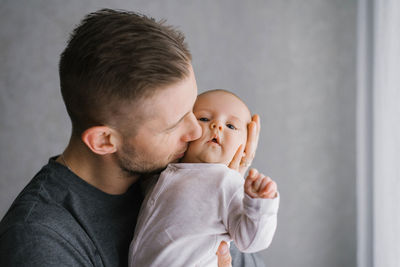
[101,140]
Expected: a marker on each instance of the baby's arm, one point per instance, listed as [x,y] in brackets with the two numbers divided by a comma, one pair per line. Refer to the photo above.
[252,216]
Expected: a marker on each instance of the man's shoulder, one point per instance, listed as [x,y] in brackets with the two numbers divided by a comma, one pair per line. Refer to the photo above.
[40,205]
[40,212]
[39,222]
[39,227]
[41,244]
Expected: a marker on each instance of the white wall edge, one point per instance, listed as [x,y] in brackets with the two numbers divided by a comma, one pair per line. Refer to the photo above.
[364,131]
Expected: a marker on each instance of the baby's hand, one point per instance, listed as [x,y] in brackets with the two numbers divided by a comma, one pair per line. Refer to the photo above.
[257,185]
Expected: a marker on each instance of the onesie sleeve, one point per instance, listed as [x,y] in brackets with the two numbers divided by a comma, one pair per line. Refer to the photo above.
[252,222]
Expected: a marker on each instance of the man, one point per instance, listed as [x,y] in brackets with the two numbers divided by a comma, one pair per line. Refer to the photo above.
[129,89]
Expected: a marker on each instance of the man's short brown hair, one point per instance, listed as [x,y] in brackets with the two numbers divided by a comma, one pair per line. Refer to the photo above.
[116,57]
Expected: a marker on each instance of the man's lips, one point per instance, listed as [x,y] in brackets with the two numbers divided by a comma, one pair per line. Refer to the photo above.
[181,154]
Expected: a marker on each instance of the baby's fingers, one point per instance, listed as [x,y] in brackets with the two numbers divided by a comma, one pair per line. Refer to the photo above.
[260,183]
[264,183]
[269,190]
[251,177]
[248,183]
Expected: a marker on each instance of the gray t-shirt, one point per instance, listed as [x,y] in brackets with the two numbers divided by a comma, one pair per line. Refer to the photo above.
[60,220]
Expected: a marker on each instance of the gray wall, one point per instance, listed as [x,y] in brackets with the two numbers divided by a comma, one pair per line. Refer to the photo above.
[292,61]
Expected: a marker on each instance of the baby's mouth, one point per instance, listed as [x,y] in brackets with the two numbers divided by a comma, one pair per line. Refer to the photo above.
[215,140]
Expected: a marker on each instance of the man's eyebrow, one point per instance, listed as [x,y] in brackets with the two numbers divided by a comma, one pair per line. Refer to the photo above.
[175,124]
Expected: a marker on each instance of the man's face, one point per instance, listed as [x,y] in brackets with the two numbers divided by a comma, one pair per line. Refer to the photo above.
[164,134]
[223,119]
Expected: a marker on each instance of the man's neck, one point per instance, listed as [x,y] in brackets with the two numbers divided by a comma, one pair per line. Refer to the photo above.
[101,171]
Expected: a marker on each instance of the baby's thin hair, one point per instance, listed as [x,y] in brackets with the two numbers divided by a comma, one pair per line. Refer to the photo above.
[219,90]
[225,91]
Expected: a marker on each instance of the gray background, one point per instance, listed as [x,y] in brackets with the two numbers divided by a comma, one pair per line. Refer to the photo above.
[292,61]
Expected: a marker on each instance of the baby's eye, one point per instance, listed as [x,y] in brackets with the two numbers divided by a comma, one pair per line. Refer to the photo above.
[203,119]
[231,126]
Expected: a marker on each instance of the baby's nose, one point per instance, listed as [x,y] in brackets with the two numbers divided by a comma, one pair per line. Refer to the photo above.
[216,126]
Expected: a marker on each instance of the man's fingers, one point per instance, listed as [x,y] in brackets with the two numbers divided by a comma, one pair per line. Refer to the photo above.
[251,144]
[253,133]
[235,163]
[256,119]
[224,256]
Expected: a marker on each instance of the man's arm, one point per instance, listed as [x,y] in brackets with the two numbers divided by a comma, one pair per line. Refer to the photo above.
[36,245]
[236,258]
[240,259]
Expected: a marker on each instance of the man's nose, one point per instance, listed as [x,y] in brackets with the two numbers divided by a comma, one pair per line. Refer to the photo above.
[195,130]
[216,125]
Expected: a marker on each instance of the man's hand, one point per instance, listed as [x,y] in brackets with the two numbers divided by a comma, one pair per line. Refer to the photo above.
[257,185]
[245,155]
[224,256]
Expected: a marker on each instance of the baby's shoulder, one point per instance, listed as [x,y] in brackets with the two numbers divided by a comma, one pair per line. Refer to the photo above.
[204,178]
[204,169]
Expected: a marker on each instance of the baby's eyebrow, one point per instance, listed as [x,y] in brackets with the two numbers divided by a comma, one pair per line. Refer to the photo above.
[234,118]
[202,110]
[238,120]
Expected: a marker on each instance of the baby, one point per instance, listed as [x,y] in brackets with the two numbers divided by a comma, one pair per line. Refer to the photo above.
[200,202]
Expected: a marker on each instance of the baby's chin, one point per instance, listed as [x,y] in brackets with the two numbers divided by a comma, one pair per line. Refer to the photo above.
[188,158]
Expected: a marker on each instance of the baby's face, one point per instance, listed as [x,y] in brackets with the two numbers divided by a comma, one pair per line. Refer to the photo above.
[223,119]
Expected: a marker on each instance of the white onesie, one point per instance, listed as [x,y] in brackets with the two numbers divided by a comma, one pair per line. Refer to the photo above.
[191,209]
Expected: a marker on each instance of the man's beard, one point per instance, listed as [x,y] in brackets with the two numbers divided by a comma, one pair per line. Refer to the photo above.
[132,164]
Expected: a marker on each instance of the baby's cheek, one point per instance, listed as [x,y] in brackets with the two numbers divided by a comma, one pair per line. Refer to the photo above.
[231,152]
[193,147]
[244,137]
